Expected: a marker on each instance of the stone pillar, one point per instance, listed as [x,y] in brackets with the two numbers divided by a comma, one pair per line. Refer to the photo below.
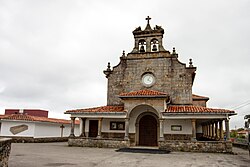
[83,120]
[216,130]
[221,130]
[207,130]
[227,129]
[204,130]
[148,45]
[161,129]
[212,130]
[193,130]
[99,135]
[72,131]
[126,137]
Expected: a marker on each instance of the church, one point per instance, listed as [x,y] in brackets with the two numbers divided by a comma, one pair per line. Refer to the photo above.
[150,103]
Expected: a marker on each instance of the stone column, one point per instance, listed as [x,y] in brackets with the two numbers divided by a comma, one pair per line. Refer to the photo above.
[212,130]
[208,130]
[126,137]
[72,131]
[193,130]
[227,129]
[161,129]
[99,135]
[216,130]
[83,120]
[221,130]
[205,130]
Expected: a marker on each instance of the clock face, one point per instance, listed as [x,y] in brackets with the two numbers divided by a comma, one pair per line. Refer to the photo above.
[148,80]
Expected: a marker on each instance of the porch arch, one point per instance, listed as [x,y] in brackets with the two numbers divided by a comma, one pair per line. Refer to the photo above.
[146,119]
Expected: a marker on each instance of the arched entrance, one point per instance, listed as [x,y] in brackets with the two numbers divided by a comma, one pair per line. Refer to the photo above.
[148,131]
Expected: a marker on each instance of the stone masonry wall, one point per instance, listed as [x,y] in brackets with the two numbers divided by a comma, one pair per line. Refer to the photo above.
[38,140]
[171,77]
[5,147]
[101,143]
[199,146]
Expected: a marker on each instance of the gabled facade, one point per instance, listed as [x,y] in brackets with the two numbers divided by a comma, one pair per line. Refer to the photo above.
[150,99]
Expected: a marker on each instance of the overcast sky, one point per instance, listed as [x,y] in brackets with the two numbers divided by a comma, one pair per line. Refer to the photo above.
[52,53]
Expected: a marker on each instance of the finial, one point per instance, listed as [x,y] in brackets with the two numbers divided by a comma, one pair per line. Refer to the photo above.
[123,53]
[174,53]
[190,63]
[148,18]
[108,69]
[174,50]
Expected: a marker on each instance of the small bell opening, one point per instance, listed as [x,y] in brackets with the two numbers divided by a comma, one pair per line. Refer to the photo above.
[154,48]
[142,48]
[154,45]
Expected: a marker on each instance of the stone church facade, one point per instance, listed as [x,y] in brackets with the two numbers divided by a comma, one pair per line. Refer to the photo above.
[150,103]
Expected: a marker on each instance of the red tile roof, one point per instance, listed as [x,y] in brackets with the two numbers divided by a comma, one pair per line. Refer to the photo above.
[99,109]
[197,97]
[35,119]
[194,109]
[144,93]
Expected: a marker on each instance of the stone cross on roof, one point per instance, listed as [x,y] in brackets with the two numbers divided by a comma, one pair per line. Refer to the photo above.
[148,18]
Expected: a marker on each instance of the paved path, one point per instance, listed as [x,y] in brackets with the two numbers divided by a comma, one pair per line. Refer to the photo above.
[60,155]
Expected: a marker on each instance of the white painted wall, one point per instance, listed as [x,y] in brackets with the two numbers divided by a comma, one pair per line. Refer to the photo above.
[185,123]
[106,125]
[37,129]
[7,124]
[52,130]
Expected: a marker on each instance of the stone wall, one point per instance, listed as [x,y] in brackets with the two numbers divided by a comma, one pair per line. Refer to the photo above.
[38,140]
[113,135]
[101,143]
[199,146]
[177,137]
[171,76]
[5,147]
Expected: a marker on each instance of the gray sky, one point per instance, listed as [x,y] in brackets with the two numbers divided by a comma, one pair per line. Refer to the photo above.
[52,53]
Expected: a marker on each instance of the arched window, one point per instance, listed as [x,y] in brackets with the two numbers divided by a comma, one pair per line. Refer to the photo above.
[142,45]
[154,45]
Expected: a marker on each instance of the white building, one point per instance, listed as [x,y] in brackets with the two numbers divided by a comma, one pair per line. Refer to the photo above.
[19,125]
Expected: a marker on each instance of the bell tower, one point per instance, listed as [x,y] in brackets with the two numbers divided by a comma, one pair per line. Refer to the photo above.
[148,40]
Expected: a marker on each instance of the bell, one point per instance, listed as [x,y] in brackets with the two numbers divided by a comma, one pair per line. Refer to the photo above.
[154,48]
[142,49]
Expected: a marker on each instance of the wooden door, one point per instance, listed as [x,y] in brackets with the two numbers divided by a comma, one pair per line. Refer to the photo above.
[148,131]
[93,128]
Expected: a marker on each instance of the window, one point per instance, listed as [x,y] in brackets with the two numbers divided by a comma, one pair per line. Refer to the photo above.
[176,128]
[117,125]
